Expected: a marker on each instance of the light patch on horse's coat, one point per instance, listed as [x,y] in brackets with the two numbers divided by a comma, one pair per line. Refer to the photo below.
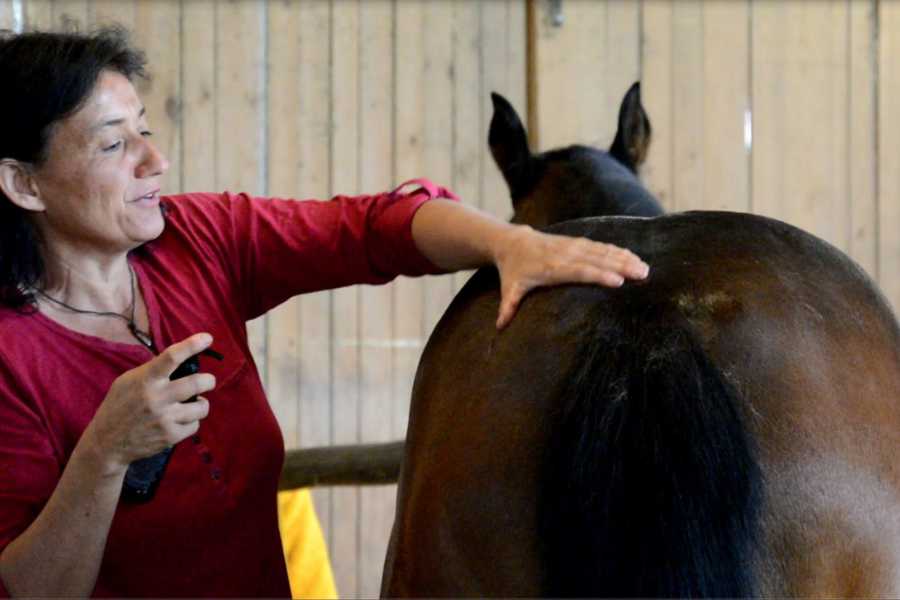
[705,306]
[817,504]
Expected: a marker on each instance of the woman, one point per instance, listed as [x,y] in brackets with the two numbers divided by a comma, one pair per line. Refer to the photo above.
[103,294]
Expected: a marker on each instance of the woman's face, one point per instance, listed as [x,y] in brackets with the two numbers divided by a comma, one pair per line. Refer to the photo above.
[100,183]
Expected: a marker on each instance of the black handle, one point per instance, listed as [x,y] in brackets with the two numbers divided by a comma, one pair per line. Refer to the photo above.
[143,475]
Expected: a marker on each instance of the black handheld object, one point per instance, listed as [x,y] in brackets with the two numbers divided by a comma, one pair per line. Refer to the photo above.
[143,475]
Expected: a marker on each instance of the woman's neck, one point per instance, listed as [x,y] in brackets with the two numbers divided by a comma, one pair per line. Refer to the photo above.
[87,281]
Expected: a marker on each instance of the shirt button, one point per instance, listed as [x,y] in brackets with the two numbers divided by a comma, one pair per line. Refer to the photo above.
[215,473]
[207,457]
[195,438]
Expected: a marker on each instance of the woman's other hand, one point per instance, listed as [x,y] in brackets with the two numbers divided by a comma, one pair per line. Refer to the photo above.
[143,412]
[528,259]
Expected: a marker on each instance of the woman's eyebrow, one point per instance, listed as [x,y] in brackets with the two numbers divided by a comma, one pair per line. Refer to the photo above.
[115,121]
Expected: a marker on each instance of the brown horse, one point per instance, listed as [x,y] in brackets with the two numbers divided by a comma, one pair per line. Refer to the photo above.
[728,427]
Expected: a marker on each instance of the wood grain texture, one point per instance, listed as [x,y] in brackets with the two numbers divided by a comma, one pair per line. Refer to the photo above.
[726,99]
[888,157]
[7,20]
[157,30]
[376,164]
[800,80]
[863,159]
[438,134]
[345,156]
[241,95]
[657,81]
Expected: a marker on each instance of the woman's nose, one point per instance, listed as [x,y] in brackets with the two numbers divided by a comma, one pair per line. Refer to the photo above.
[153,161]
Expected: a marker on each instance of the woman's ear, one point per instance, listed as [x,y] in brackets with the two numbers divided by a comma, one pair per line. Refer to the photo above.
[17,183]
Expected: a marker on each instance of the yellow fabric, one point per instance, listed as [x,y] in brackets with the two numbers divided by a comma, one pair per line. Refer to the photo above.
[308,566]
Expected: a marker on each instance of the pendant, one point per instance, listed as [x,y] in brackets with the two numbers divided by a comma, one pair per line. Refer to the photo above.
[142,337]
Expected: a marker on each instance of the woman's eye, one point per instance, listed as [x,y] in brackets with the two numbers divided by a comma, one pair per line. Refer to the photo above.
[113,147]
[147,133]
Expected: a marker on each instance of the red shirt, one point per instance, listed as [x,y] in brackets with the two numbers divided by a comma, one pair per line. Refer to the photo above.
[212,528]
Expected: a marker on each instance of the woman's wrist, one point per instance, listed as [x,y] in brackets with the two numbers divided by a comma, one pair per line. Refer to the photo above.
[100,458]
[504,240]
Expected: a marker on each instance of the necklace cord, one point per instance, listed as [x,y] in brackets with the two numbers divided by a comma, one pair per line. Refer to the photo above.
[141,336]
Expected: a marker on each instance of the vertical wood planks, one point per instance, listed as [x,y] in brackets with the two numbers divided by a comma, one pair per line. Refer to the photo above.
[39,14]
[240,116]
[725,98]
[687,105]
[569,60]
[120,12]
[657,81]
[345,157]
[584,68]
[157,29]
[71,14]
[313,82]
[888,157]
[299,365]
[284,138]
[620,67]
[7,20]
[467,92]
[503,70]
[438,134]
[376,162]
[200,137]
[410,97]
[800,78]
[862,166]
[695,67]
[768,168]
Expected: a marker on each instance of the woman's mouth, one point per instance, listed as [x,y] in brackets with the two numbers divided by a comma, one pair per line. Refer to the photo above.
[150,198]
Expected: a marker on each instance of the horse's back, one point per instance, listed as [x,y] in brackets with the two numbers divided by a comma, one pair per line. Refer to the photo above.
[795,327]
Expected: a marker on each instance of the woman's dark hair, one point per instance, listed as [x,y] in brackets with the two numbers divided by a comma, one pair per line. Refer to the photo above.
[46,77]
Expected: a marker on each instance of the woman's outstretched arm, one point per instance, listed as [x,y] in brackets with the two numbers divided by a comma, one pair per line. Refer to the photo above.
[454,236]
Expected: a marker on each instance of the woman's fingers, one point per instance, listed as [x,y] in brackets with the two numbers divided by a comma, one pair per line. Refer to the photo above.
[191,412]
[612,258]
[187,387]
[165,364]
[509,303]
[538,259]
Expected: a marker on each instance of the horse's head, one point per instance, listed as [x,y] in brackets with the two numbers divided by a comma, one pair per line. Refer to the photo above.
[577,181]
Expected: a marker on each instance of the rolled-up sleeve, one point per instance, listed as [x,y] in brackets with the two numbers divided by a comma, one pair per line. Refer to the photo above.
[392,249]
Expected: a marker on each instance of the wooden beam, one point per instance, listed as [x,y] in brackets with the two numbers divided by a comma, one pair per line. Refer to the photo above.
[363,464]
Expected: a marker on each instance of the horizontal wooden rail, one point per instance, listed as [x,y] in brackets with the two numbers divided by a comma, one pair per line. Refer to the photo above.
[363,464]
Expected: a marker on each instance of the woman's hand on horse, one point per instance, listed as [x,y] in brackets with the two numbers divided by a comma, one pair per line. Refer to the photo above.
[528,259]
[143,412]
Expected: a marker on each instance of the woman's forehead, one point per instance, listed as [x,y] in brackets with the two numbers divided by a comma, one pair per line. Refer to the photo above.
[112,101]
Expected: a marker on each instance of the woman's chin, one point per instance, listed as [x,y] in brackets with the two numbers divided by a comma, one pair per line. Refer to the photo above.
[148,228]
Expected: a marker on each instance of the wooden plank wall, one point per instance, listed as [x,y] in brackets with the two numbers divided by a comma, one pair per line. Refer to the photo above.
[780,108]
[8,16]
[310,99]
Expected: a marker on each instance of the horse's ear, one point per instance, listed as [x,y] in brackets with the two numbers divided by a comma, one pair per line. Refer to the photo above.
[633,136]
[509,144]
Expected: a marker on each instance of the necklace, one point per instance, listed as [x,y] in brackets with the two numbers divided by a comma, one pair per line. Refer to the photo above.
[141,336]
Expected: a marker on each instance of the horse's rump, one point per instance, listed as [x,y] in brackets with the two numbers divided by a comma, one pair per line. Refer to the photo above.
[758,312]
